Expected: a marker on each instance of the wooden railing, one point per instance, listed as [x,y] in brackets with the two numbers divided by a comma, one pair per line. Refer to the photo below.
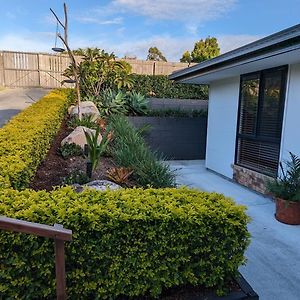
[57,233]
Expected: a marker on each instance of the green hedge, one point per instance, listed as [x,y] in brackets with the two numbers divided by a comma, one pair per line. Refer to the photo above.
[128,242]
[26,139]
[160,86]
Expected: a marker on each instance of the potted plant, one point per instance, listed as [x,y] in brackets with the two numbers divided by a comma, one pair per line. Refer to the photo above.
[286,190]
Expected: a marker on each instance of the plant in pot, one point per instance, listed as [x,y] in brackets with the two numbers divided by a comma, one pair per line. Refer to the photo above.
[286,190]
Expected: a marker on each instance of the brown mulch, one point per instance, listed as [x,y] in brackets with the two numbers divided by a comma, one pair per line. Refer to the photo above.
[189,292]
[54,169]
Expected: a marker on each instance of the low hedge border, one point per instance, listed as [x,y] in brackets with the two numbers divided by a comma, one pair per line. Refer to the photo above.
[26,139]
[130,242]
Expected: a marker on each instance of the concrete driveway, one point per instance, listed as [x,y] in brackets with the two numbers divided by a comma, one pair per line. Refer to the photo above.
[12,101]
[273,267]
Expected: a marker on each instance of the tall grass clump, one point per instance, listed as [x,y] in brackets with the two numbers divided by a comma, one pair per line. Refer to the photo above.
[130,151]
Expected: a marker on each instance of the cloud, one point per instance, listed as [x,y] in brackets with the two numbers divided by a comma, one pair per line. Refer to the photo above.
[25,42]
[39,42]
[174,47]
[197,10]
[171,47]
[192,29]
[231,42]
[10,15]
[115,21]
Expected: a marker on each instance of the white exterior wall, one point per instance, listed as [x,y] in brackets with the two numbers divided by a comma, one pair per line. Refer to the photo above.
[222,123]
[291,123]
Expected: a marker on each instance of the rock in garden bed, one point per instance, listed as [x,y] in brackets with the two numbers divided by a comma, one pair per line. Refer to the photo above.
[98,185]
[55,169]
[77,136]
[87,108]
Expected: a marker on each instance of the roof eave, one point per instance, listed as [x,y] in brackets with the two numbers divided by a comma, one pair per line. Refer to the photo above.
[266,44]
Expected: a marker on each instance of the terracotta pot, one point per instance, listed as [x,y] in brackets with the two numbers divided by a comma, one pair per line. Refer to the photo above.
[287,212]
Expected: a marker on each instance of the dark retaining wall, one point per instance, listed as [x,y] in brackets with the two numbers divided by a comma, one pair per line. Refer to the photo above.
[183,104]
[175,137]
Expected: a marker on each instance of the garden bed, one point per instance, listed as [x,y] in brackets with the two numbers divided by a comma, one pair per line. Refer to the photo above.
[55,169]
[239,289]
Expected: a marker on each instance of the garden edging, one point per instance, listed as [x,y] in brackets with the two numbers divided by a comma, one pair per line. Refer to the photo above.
[246,293]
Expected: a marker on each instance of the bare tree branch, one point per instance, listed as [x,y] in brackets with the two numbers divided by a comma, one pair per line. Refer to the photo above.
[70,53]
[74,64]
[66,23]
[57,19]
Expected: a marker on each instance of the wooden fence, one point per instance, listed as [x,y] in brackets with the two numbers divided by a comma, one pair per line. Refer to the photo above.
[26,69]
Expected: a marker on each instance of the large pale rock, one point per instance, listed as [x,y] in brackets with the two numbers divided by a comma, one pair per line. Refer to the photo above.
[98,185]
[103,185]
[87,108]
[77,136]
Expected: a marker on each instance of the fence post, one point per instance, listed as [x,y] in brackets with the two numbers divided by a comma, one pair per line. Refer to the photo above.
[2,75]
[38,69]
[60,270]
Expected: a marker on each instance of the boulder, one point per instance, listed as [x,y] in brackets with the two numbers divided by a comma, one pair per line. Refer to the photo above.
[98,185]
[77,136]
[87,108]
[103,185]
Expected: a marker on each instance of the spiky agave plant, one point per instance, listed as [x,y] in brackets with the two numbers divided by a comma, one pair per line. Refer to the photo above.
[137,103]
[111,102]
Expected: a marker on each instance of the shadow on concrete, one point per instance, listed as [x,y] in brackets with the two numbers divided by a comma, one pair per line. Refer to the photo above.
[7,114]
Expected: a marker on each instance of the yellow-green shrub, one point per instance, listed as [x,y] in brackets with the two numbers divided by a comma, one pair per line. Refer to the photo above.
[128,242]
[25,140]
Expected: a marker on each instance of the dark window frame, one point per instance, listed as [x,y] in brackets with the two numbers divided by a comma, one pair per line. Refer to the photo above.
[256,137]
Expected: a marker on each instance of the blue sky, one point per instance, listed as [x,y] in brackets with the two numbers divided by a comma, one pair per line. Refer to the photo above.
[130,27]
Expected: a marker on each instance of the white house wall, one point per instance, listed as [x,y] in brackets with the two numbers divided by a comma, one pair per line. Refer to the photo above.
[222,123]
[291,124]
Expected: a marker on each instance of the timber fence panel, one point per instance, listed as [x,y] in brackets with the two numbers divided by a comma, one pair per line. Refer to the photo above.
[27,69]
[20,69]
[51,68]
[141,66]
[166,68]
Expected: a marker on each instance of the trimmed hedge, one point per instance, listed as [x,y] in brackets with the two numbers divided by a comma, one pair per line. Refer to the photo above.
[128,242]
[26,139]
[160,86]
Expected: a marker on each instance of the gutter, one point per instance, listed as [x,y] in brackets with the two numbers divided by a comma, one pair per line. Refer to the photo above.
[244,62]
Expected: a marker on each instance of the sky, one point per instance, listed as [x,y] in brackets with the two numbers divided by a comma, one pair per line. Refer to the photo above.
[130,27]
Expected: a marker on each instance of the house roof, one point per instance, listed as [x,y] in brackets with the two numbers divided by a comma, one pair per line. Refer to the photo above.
[287,39]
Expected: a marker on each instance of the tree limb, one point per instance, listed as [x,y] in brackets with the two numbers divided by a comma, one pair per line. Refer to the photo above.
[66,23]
[57,19]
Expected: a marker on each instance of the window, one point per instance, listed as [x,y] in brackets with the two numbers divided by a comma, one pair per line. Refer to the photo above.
[260,120]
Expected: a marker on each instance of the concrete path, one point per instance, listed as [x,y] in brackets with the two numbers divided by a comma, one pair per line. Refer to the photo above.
[12,101]
[273,267]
